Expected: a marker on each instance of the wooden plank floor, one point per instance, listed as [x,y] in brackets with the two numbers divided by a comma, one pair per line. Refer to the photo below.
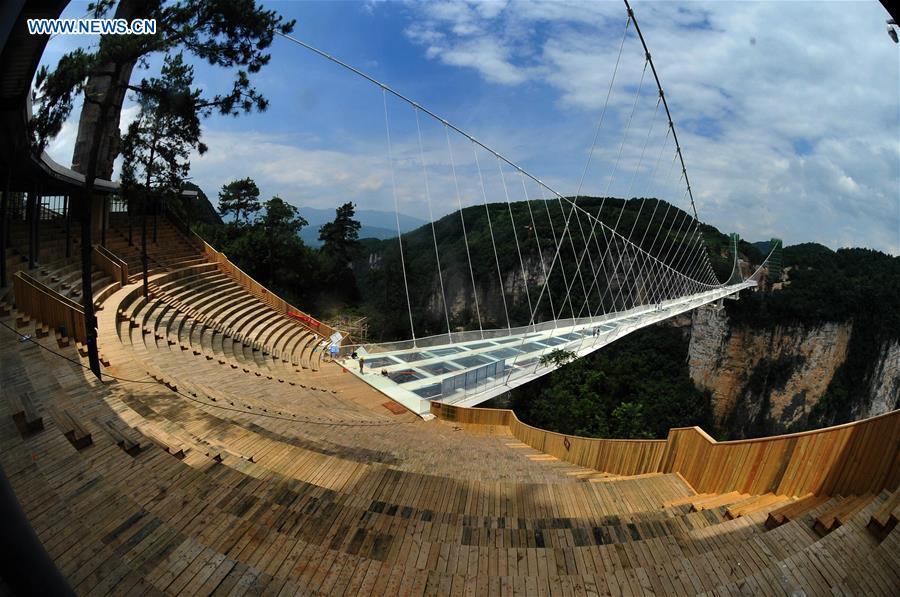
[298,481]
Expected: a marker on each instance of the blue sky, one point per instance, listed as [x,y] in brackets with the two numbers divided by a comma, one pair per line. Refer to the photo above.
[788,112]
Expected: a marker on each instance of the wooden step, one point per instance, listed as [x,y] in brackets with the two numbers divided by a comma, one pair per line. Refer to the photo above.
[122,436]
[885,518]
[717,501]
[794,510]
[840,513]
[25,414]
[755,504]
[164,440]
[74,431]
[689,499]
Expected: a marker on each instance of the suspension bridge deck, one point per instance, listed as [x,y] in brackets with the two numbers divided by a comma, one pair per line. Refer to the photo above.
[467,373]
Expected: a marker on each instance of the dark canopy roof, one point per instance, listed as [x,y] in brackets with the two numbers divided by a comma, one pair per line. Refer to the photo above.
[20,54]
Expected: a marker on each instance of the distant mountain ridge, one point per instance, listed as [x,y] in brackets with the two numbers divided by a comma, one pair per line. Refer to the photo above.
[375,223]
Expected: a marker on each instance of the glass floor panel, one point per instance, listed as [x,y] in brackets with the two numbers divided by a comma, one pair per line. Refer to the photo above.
[531,347]
[439,368]
[405,376]
[448,350]
[380,362]
[431,391]
[472,361]
[413,356]
[504,353]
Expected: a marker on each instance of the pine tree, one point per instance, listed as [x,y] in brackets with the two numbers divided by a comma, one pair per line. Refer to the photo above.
[239,199]
[340,237]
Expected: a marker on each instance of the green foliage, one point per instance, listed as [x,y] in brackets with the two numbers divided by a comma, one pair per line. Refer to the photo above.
[264,241]
[825,285]
[227,33]
[55,93]
[638,387]
[240,200]
[269,249]
[338,289]
[557,357]
[159,141]
[340,238]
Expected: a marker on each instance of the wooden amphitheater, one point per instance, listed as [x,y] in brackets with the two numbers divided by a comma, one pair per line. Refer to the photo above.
[220,455]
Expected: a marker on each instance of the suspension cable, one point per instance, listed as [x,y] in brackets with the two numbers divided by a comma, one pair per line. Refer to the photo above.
[446,123]
[603,111]
[687,181]
[537,241]
[512,222]
[437,255]
[487,212]
[625,199]
[575,208]
[387,128]
[462,220]
[611,177]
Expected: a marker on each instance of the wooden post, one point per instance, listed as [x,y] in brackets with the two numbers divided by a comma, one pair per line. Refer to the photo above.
[104,220]
[67,209]
[87,289]
[4,236]
[37,222]
[29,220]
[144,244]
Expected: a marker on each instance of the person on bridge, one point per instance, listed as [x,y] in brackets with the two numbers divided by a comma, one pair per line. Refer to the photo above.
[361,363]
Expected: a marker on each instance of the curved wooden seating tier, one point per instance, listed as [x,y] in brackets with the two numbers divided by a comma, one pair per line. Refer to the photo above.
[226,459]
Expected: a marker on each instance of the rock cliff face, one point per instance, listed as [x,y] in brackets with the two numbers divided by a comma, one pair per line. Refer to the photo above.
[766,381]
[885,386]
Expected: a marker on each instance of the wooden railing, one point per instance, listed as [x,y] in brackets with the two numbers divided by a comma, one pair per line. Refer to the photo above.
[617,456]
[111,264]
[860,457]
[260,291]
[856,458]
[50,308]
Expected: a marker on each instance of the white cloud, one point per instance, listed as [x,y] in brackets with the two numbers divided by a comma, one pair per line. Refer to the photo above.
[316,177]
[789,115]
[485,55]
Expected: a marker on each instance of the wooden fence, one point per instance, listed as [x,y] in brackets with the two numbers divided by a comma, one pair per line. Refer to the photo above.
[617,456]
[860,457]
[856,458]
[111,264]
[48,307]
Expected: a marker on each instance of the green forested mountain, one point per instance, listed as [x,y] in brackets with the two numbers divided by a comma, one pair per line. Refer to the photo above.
[538,227]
